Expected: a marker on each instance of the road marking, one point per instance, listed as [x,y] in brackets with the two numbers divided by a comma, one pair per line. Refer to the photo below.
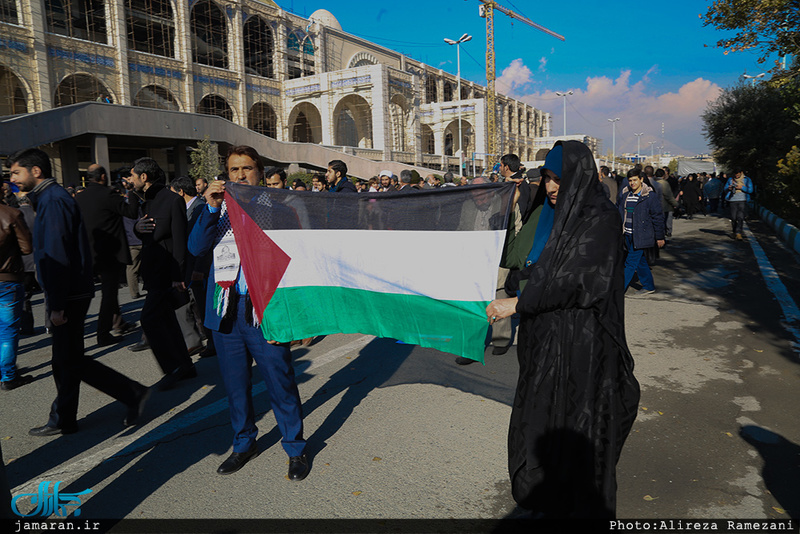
[790,310]
[126,445]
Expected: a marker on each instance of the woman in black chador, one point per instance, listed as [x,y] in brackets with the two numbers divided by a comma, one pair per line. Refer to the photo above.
[576,397]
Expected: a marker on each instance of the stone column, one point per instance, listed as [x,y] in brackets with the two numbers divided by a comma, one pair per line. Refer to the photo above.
[183,51]
[381,123]
[99,151]
[236,54]
[41,71]
[181,158]
[68,154]
[119,40]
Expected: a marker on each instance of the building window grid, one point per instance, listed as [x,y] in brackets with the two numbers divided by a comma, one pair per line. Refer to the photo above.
[80,19]
[78,88]
[215,105]
[259,47]
[8,11]
[262,119]
[156,97]
[151,27]
[209,35]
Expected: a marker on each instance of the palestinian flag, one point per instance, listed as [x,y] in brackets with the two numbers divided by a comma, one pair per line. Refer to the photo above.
[420,267]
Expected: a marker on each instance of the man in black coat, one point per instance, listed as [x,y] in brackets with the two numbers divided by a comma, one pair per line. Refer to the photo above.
[102,210]
[64,268]
[162,230]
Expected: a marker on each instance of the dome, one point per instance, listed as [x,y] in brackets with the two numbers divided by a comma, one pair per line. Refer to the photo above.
[326,18]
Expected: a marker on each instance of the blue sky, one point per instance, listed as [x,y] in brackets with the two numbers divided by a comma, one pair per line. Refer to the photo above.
[644,62]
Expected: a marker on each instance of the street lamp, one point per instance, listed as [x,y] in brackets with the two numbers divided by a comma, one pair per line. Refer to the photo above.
[565,95]
[651,149]
[613,142]
[463,39]
[638,144]
[753,78]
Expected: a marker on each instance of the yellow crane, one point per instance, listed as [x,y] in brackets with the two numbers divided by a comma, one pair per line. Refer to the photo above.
[487,11]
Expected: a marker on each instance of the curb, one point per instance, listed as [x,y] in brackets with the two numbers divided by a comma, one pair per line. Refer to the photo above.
[787,232]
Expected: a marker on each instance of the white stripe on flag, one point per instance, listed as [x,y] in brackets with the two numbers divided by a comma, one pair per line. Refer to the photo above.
[442,265]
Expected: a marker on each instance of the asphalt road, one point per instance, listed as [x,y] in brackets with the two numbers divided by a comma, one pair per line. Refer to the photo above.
[398,431]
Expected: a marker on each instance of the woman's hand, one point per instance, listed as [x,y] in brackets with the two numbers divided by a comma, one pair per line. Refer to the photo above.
[500,309]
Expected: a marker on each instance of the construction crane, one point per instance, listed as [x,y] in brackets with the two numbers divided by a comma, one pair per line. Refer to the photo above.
[487,11]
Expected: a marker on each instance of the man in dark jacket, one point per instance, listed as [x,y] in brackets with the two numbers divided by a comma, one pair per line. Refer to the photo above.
[64,266]
[337,178]
[163,234]
[643,226]
[15,240]
[102,210]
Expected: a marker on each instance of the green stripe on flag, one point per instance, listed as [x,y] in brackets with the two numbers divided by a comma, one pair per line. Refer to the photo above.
[457,327]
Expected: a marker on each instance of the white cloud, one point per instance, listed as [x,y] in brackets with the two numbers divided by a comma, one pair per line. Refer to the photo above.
[542,64]
[639,103]
[514,77]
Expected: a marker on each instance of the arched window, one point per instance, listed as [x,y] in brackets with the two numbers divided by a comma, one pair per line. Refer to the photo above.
[215,105]
[464,91]
[8,11]
[448,144]
[258,47]
[428,141]
[209,35]
[448,92]
[82,19]
[79,88]
[430,89]
[12,94]
[299,65]
[262,119]
[157,97]
[151,27]
[305,124]
[397,113]
[353,122]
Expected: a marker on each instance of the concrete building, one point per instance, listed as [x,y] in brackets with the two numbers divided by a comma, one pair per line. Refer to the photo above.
[281,77]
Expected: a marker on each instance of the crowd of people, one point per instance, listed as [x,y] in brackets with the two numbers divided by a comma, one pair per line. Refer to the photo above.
[176,238]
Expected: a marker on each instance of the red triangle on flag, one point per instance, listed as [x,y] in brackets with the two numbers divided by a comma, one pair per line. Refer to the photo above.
[263,261]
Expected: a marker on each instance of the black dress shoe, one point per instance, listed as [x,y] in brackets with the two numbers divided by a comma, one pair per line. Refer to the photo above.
[298,467]
[497,351]
[237,460]
[19,380]
[141,345]
[48,430]
[183,372]
[208,352]
[135,410]
[464,361]
[109,339]
[125,328]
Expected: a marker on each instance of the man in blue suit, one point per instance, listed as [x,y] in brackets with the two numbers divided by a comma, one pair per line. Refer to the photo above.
[238,340]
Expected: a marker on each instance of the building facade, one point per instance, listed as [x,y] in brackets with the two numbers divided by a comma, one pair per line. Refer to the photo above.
[286,77]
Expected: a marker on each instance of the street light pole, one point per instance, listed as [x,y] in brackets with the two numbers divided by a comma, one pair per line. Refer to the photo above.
[559,93]
[613,142]
[651,149]
[463,39]
[753,78]
[638,144]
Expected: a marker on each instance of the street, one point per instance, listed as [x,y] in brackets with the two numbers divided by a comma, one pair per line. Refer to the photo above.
[398,431]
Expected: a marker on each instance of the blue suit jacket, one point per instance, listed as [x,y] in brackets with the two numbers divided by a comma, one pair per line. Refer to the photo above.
[202,242]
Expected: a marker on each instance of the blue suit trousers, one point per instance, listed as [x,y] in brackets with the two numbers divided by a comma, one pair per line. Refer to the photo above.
[274,362]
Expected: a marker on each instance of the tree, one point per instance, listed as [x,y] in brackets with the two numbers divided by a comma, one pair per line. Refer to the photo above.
[205,161]
[768,27]
[752,128]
